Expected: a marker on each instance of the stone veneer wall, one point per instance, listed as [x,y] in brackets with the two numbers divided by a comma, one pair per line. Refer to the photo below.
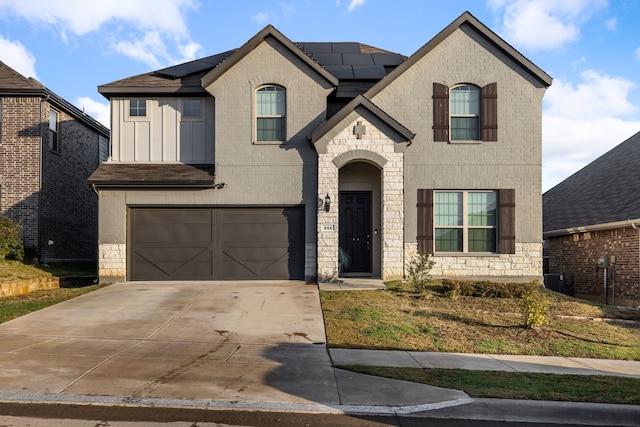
[523,266]
[374,141]
[112,262]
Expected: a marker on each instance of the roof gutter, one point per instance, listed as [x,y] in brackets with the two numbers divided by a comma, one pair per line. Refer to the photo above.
[595,227]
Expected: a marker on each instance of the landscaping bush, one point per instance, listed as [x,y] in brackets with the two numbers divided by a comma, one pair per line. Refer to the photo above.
[534,307]
[485,289]
[419,271]
[10,242]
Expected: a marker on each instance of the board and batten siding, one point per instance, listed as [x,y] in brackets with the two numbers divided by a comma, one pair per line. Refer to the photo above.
[163,135]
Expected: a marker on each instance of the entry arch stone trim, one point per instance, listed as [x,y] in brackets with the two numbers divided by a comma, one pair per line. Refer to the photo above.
[359,154]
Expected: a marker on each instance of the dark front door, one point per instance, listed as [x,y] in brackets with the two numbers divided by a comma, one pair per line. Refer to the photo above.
[355,231]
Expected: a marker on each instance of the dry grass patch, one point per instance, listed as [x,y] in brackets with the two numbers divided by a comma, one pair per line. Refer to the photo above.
[402,319]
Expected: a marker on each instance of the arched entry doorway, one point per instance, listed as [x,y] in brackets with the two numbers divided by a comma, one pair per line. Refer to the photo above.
[359,221]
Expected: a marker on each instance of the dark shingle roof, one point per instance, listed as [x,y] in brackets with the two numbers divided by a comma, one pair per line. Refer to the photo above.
[152,175]
[606,190]
[350,62]
[13,84]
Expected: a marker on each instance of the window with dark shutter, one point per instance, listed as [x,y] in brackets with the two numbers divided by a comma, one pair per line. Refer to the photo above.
[440,112]
[489,113]
[507,219]
[425,221]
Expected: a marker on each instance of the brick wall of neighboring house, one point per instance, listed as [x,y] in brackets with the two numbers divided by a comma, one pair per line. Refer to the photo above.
[69,205]
[19,163]
[576,255]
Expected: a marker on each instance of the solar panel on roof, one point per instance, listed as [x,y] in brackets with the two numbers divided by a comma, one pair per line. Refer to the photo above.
[357,59]
[343,72]
[316,47]
[196,66]
[347,47]
[367,72]
[387,58]
[328,59]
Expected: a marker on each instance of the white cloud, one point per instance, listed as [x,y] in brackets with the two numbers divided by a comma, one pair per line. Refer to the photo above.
[611,24]
[354,4]
[97,110]
[161,23]
[544,24]
[595,97]
[583,121]
[16,56]
[261,18]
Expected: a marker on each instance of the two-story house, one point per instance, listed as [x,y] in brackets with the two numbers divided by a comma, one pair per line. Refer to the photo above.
[48,149]
[278,159]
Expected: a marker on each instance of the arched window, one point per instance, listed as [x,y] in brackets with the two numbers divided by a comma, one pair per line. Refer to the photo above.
[465,112]
[271,113]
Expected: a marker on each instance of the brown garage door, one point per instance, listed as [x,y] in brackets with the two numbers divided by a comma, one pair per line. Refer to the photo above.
[216,243]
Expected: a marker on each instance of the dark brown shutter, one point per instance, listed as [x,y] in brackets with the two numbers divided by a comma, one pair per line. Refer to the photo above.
[507,219]
[425,221]
[440,112]
[489,112]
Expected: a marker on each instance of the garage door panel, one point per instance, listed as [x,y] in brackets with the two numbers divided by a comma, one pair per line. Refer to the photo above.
[251,243]
[177,233]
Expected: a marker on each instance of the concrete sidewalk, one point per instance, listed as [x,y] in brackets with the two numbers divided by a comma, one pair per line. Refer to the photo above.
[486,362]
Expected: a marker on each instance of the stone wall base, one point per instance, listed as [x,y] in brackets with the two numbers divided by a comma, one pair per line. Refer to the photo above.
[112,262]
[24,286]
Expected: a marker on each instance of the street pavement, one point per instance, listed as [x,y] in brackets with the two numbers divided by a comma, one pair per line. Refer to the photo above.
[246,346]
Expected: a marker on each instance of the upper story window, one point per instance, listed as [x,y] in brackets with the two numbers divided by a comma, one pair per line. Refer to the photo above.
[138,108]
[192,108]
[465,112]
[271,110]
[465,221]
[54,141]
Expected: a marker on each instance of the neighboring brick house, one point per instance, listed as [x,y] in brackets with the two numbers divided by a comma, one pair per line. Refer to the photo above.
[48,149]
[270,160]
[592,221]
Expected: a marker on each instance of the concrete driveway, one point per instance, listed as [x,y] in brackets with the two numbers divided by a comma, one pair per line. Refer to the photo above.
[230,344]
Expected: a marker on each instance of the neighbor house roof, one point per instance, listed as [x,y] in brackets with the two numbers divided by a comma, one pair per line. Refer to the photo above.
[14,84]
[605,191]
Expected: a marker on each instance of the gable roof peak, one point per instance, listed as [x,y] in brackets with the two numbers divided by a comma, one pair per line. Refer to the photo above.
[255,41]
[466,18]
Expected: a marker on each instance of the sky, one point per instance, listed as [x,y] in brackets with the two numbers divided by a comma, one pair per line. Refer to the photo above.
[591,48]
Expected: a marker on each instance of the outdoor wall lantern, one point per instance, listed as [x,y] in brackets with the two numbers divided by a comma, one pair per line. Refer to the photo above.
[327,203]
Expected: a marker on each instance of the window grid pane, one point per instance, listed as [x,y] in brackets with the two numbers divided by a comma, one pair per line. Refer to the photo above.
[191,108]
[271,101]
[465,100]
[271,129]
[448,240]
[482,240]
[482,209]
[465,128]
[138,108]
[449,209]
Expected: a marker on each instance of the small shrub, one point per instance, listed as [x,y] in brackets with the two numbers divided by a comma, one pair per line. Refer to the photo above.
[419,271]
[534,307]
[484,289]
[10,242]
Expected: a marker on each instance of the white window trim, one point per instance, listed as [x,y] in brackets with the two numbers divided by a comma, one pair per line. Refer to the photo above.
[465,223]
[127,107]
